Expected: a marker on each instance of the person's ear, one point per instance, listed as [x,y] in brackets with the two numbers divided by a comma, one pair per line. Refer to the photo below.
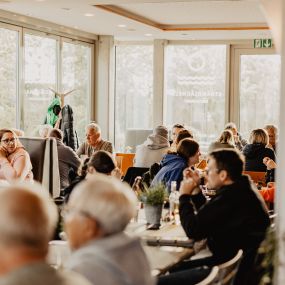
[223,175]
[91,170]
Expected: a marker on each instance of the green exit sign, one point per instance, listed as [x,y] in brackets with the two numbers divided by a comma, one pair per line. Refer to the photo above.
[263,43]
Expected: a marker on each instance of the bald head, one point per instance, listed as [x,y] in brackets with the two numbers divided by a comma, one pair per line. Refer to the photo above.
[27,217]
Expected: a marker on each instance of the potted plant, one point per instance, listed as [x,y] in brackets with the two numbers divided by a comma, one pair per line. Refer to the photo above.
[153,199]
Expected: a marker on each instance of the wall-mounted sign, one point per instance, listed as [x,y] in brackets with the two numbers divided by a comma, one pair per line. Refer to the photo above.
[262,43]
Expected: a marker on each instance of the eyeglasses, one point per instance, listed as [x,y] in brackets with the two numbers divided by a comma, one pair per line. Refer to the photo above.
[207,170]
[8,141]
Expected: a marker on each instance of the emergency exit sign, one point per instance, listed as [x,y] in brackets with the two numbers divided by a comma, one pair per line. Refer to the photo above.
[263,43]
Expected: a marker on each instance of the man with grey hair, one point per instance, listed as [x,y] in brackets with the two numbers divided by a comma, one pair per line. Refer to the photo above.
[97,213]
[94,141]
[272,135]
[27,223]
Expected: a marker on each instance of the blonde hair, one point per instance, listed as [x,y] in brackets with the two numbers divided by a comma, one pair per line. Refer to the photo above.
[226,137]
[259,136]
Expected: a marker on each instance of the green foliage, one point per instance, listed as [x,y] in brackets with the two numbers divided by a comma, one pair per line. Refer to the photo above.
[155,195]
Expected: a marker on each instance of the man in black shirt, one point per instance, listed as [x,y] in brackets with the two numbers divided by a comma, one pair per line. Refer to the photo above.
[236,218]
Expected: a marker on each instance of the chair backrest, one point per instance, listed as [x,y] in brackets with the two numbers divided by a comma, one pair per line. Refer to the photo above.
[211,279]
[44,159]
[132,173]
[125,160]
[257,177]
[228,270]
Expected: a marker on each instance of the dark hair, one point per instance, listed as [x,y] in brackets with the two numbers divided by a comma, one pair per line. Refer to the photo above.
[187,148]
[56,133]
[183,134]
[229,160]
[102,161]
[178,126]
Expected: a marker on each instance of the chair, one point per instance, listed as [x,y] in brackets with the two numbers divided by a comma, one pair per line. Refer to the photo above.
[211,279]
[125,161]
[257,177]
[44,159]
[133,172]
[228,270]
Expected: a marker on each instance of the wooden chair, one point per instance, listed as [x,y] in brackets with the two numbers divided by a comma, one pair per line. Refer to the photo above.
[126,161]
[257,177]
[228,270]
[211,279]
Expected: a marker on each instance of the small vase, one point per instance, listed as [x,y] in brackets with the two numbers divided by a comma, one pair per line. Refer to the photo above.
[153,214]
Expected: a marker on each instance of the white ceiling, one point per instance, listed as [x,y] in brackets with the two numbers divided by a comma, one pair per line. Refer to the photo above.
[70,13]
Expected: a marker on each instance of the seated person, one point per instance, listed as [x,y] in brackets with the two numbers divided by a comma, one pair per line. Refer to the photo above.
[153,149]
[67,158]
[226,140]
[240,142]
[173,164]
[97,214]
[103,162]
[27,224]
[93,142]
[174,132]
[225,224]
[272,132]
[182,134]
[257,150]
[15,163]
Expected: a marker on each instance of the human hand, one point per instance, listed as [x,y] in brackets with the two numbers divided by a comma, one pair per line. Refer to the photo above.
[116,173]
[191,181]
[3,152]
[269,163]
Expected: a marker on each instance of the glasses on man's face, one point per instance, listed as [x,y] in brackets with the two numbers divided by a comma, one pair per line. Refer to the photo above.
[8,141]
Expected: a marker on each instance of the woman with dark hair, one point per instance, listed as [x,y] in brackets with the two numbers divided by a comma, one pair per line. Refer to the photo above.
[103,162]
[15,163]
[173,164]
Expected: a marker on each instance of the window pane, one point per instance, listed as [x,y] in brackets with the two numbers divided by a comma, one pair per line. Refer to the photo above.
[40,74]
[76,74]
[134,92]
[8,77]
[195,89]
[259,91]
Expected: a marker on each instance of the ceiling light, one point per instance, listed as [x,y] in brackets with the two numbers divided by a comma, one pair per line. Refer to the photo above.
[88,15]
[148,35]
[122,26]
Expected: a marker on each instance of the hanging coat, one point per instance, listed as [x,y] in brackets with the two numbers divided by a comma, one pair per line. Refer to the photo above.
[52,116]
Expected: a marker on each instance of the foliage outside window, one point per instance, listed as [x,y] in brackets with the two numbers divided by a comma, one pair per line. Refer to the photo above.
[76,70]
[134,90]
[8,77]
[259,91]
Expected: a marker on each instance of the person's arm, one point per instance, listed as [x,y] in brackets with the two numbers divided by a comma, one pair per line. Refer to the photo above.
[19,170]
[109,148]
[74,160]
[81,150]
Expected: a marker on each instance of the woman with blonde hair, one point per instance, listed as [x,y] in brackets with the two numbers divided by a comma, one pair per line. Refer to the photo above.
[15,163]
[226,140]
[257,150]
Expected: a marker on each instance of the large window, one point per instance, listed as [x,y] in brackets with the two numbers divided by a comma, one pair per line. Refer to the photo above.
[259,91]
[8,77]
[40,74]
[76,71]
[195,80]
[133,91]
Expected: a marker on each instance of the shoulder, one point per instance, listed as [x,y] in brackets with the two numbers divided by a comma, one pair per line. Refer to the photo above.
[72,278]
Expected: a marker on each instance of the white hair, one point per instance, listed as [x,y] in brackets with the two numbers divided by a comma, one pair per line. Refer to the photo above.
[93,126]
[27,216]
[107,200]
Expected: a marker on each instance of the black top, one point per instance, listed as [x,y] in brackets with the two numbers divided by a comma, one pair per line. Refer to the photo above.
[234,219]
[254,154]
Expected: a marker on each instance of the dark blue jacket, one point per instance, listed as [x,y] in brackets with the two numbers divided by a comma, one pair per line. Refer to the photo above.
[172,166]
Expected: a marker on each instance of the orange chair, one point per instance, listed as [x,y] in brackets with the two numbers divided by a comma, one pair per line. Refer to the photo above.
[257,177]
[127,160]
